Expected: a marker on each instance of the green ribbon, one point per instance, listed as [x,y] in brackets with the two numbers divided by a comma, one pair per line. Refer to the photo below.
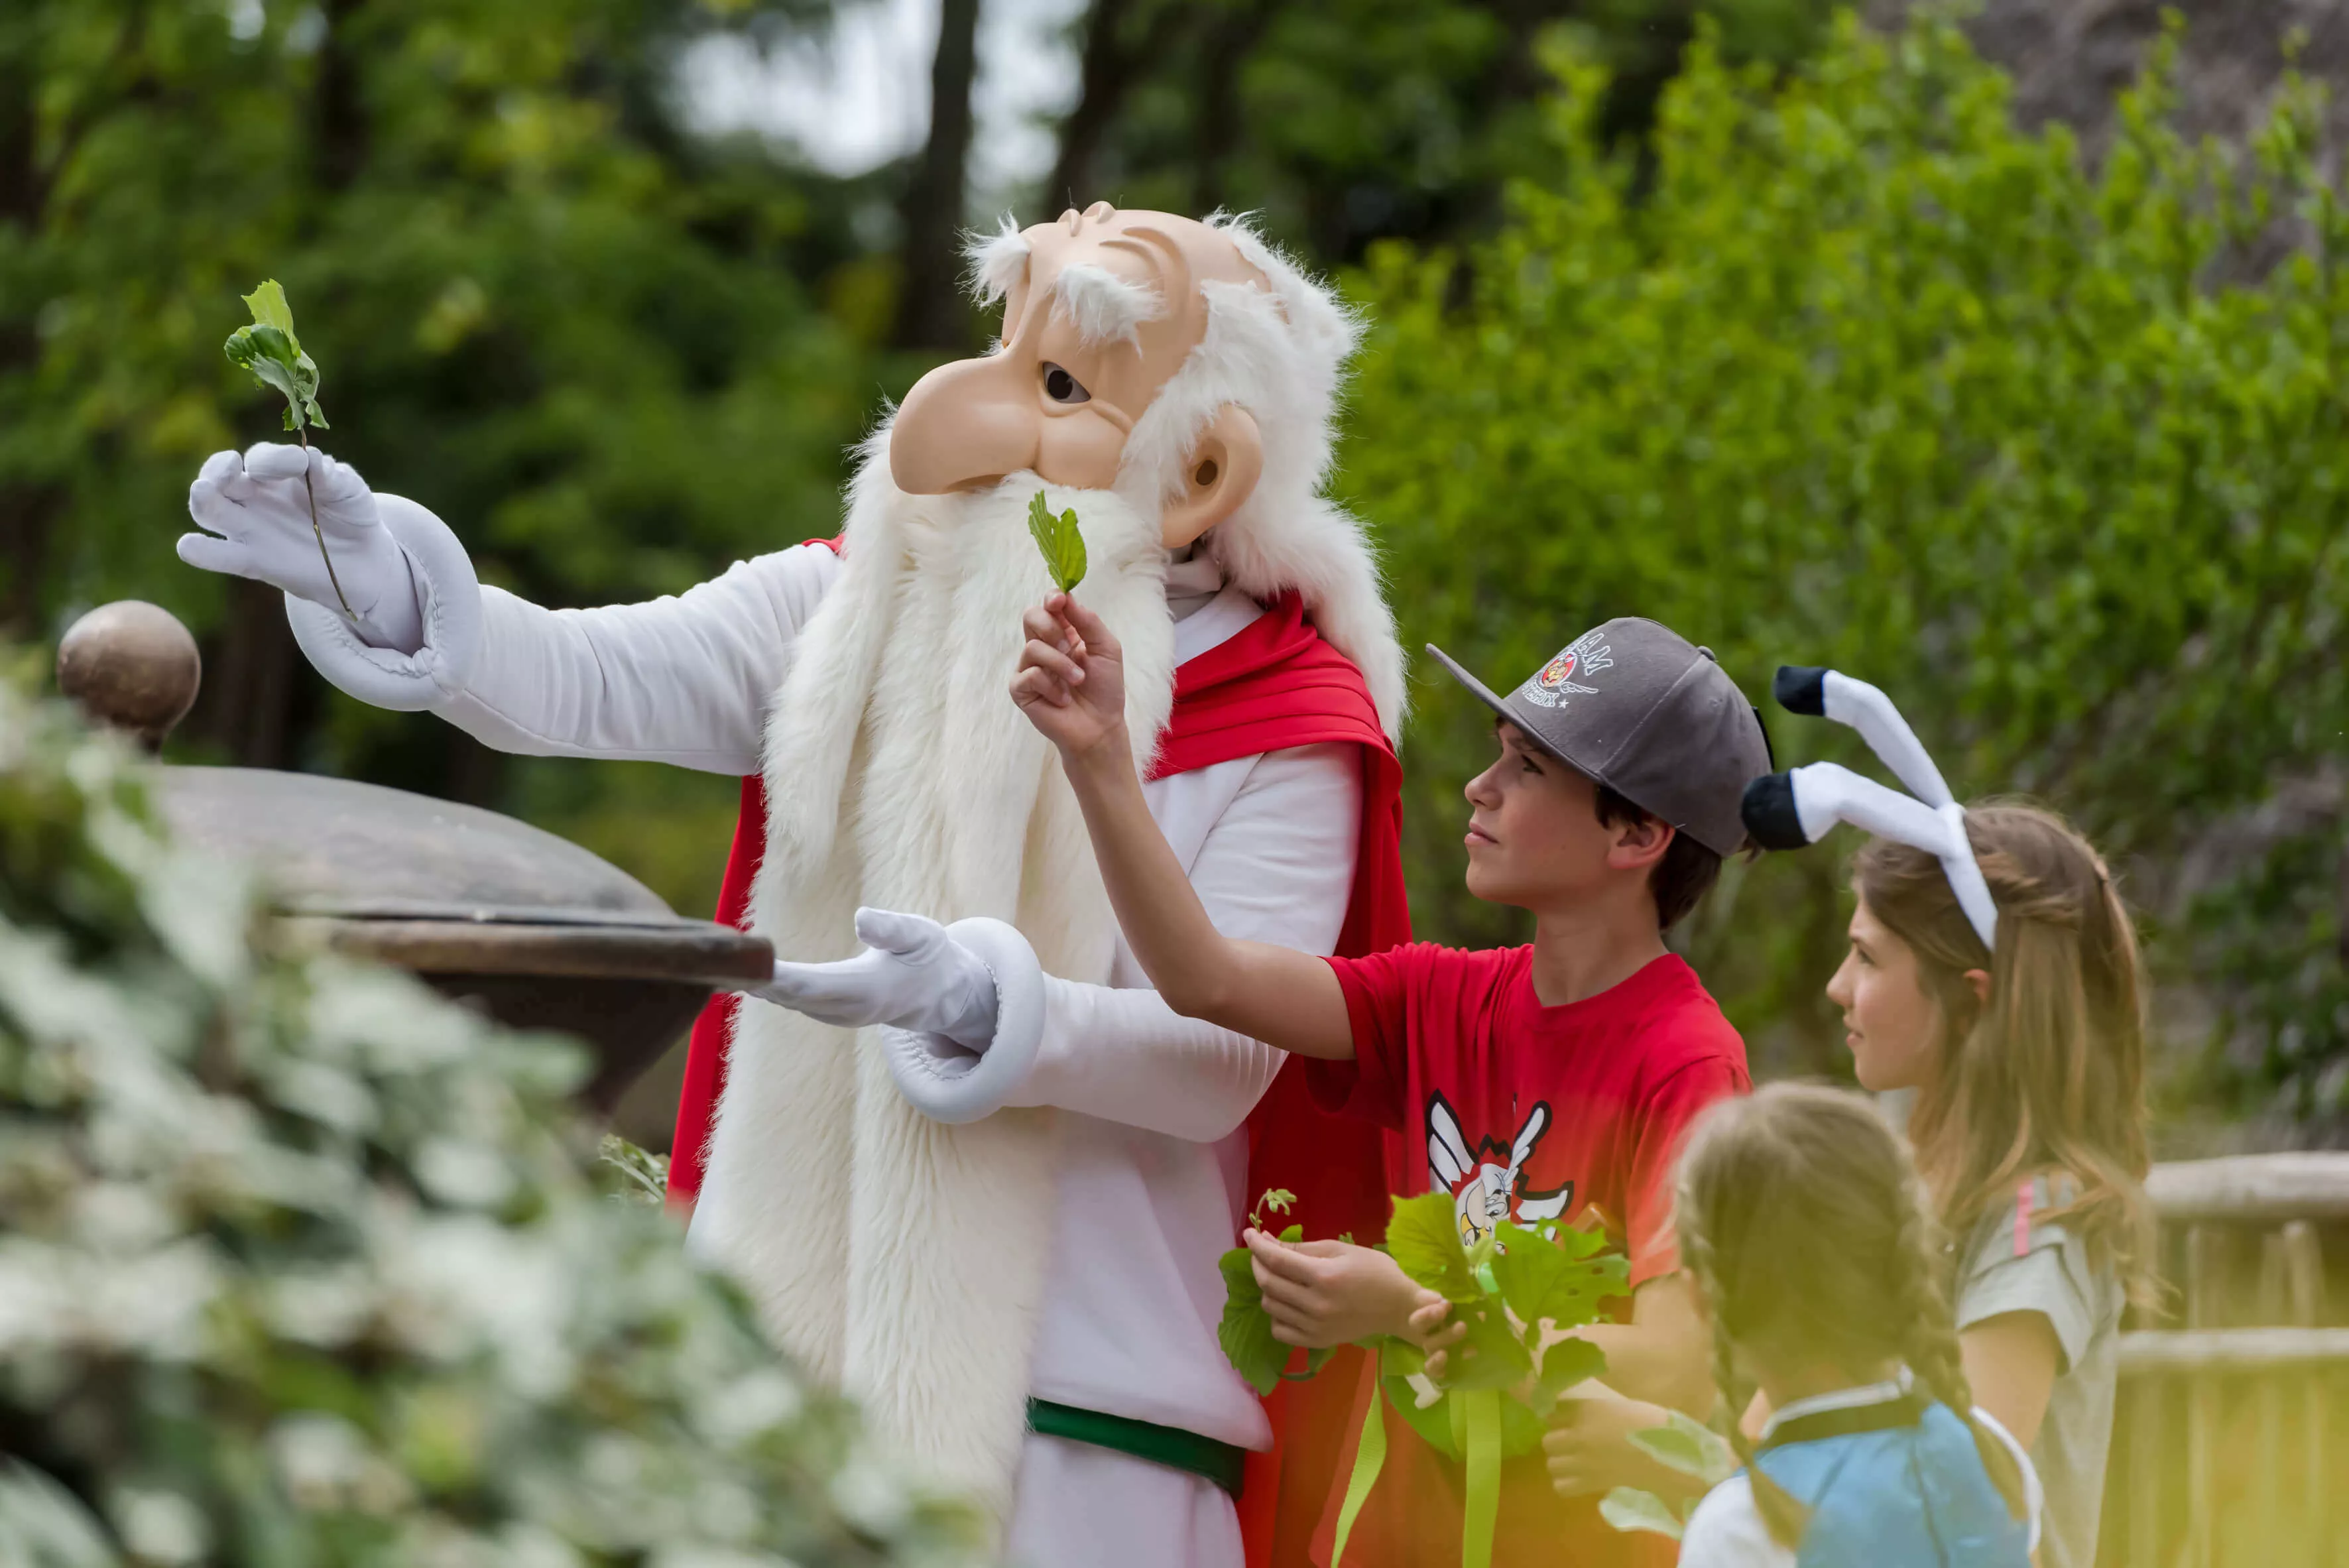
[1370,1458]
[1480,1512]
[1475,1418]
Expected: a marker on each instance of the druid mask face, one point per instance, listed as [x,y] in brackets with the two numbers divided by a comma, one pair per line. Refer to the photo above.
[1102,310]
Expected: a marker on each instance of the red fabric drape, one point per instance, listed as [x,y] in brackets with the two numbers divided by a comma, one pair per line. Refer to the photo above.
[1276,684]
[705,1052]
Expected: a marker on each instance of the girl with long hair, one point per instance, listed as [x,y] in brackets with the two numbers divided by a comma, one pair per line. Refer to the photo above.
[2026,1060]
[1816,1252]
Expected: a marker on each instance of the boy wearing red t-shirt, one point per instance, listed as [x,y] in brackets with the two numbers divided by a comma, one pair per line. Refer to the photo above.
[1542,1082]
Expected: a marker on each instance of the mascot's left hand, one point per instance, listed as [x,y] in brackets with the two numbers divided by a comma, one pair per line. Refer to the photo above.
[911,976]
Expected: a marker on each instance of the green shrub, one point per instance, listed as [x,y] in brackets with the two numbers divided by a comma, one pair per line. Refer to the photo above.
[1848,369]
[300,1265]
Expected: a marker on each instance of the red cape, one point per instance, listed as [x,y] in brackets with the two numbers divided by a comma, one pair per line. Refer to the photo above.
[1276,684]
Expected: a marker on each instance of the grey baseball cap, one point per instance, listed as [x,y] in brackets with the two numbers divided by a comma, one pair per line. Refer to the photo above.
[1649,715]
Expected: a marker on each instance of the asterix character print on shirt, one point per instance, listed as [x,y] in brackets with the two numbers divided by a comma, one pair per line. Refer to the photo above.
[1492,1183]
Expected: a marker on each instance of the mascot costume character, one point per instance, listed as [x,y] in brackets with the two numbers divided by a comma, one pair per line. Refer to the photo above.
[977,1173]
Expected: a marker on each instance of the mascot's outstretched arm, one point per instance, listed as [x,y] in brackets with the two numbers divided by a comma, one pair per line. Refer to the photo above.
[681,679]
[1277,866]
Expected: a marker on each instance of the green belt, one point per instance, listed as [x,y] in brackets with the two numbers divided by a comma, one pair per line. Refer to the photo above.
[1172,1446]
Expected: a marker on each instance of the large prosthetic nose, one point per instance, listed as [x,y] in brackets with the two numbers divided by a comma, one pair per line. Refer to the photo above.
[965,426]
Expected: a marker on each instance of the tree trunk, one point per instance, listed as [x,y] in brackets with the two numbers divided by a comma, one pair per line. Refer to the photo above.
[931,313]
[1217,128]
[1106,71]
[338,144]
[28,510]
[1103,73]
[245,705]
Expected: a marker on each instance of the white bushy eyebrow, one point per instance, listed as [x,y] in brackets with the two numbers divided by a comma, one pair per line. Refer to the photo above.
[1104,307]
[998,261]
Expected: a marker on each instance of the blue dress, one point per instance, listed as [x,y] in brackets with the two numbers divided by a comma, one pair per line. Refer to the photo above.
[1894,1483]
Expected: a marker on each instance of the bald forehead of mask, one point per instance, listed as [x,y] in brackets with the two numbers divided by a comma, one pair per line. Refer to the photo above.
[1081,358]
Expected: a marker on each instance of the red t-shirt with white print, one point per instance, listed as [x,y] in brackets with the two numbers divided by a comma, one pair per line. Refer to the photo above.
[1529,1113]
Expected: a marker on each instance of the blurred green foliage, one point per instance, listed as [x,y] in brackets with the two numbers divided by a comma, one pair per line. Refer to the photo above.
[307,1267]
[592,343]
[1857,373]
[1342,122]
[1791,340]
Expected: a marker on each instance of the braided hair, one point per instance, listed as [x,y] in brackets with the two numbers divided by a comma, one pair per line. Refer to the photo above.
[1809,1236]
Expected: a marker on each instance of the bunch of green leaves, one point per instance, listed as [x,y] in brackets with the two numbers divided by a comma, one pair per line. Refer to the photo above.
[1057,537]
[1510,1289]
[306,1266]
[1686,1445]
[1850,368]
[1505,1289]
[269,349]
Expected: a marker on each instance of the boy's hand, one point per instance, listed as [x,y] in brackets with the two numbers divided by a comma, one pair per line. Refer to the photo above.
[1589,1450]
[1321,1294]
[1071,678]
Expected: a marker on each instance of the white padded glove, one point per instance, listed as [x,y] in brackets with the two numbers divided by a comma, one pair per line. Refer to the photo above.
[913,974]
[254,511]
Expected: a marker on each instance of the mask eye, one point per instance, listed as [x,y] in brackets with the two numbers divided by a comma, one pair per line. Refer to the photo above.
[1062,387]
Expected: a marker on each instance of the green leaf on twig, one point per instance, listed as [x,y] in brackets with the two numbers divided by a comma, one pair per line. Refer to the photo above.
[1627,1508]
[1690,1447]
[1062,545]
[270,350]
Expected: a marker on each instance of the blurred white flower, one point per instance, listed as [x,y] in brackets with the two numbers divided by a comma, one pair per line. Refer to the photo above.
[161,1527]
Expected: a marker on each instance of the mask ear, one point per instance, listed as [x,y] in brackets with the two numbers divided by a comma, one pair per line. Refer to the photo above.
[1218,477]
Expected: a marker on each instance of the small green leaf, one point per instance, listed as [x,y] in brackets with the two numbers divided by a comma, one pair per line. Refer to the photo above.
[1627,1508]
[1690,1447]
[1246,1332]
[1062,546]
[1563,1365]
[1314,1361]
[269,309]
[641,1175]
[1423,1237]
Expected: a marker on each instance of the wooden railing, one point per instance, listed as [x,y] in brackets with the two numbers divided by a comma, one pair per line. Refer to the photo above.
[2231,1438]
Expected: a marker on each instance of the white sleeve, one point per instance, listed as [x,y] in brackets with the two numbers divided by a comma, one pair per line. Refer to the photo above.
[1277,866]
[683,680]
[1726,1531]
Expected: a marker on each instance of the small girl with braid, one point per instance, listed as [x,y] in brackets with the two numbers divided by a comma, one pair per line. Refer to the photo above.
[1815,1250]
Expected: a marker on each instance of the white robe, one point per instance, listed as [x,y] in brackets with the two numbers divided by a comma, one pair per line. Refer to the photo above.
[1155,1157]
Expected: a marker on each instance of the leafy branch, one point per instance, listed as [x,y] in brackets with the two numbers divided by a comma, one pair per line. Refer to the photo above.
[269,351]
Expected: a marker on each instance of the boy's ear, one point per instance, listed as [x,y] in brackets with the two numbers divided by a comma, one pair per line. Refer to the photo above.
[1640,842]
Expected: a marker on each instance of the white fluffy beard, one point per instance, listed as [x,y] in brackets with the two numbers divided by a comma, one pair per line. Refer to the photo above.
[902,1259]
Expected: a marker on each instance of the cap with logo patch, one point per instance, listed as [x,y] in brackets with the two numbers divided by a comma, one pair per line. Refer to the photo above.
[1647,712]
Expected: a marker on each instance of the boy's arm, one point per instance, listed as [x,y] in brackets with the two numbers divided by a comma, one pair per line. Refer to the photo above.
[1660,1361]
[1071,686]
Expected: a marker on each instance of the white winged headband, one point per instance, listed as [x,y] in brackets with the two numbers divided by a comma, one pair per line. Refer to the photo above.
[1787,810]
